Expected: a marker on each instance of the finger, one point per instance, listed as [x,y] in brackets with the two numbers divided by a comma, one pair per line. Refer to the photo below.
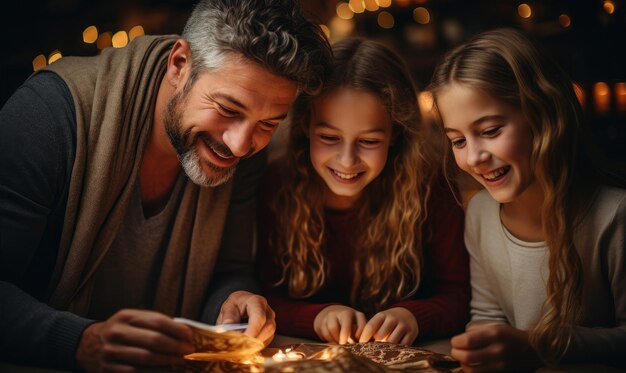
[325,334]
[229,314]
[472,357]
[408,339]
[371,327]
[345,327]
[472,339]
[360,324]
[154,321]
[383,332]
[129,335]
[333,328]
[257,312]
[267,333]
[117,354]
[397,334]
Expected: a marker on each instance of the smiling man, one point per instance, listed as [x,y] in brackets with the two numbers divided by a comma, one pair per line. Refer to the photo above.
[128,182]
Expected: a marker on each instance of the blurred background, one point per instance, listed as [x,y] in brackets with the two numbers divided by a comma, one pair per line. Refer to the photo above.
[587,37]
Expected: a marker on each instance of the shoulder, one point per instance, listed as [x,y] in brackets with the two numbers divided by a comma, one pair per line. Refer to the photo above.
[480,205]
[608,207]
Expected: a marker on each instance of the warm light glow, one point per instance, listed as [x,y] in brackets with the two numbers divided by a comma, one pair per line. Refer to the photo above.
[620,96]
[385,20]
[580,94]
[425,102]
[54,56]
[344,11]
[601,95]
[524,11]
[370,5]
[135,32]
[403,2]
[90,35]
[421,15]
[39,62]
[383,3]
[104,40]
[356,6]
[340,27]
[326,30]
[609,6]
[288,355]
[120,39]
[565,21]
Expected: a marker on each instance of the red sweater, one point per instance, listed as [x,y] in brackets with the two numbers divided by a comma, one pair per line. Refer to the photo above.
[441,304]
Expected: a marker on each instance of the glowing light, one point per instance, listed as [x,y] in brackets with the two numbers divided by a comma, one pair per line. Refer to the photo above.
[104,40]
[344,11]
[601,96]
[421,15]
[620,96]
[55,55]
[340,27]
[370,5]
[90,35]
[403,2]
[356,6]
[565,21]
[120,39]
[383,3]
[326,31]
[39,62]
[609,6]
[135,32]
[288,355]
[425,102]
[385,20]
[524,11]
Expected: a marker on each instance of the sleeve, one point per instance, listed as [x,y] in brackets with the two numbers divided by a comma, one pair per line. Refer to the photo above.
[34,158]
[606,345]
[484,305]
[445,310]
[234,268]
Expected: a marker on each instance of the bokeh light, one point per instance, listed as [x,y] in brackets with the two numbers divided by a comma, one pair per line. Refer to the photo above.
[39,62]
[120,39]
[344,11]
[524,11]
[135,32]
[90,35]
[421,15]
[385,20]
[55,55]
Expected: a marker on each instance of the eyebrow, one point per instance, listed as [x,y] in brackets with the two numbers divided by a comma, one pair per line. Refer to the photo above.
[243,107]
[330,126]
[477,122]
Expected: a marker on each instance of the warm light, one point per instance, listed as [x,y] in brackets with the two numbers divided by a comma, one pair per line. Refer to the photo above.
[620,96]
[385,20]
[425,102]
[383,3]
[135,32]
[340,27]
[601,96]
[403,2]
[524,11]
[344,11]
[39,62]
[326,31]
[580,94]
[370,5]
[120,39]
[421,15]
[90,35]
[54,56]
[288,355]
[564,20]
[356,6]
[609,6]
[104,40]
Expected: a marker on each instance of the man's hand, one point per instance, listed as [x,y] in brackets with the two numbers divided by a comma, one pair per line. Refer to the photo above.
[491,347]
[132,339]
[395,325]
[338,324]
[242,304]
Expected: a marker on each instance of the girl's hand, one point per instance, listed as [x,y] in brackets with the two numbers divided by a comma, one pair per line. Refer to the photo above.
[489,347]
[395,325]
[338,323]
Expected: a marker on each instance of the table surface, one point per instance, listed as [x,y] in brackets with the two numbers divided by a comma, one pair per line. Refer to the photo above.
[440,346]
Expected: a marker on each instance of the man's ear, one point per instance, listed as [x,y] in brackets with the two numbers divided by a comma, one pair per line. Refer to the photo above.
[178,64]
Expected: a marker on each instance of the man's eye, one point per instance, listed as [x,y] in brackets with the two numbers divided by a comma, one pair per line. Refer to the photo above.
[269,126]
[226,112]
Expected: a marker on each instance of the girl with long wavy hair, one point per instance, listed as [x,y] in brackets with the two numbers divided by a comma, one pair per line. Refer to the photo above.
[359,239]
[546,239]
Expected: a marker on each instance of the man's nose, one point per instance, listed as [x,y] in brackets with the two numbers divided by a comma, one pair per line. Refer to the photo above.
[239,138]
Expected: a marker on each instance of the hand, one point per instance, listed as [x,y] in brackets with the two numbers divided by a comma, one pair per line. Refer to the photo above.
[337,324]
[489,347]
[242,304]
[132,339]
[395,325]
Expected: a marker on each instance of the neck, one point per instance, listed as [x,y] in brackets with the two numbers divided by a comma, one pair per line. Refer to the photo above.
[522,217]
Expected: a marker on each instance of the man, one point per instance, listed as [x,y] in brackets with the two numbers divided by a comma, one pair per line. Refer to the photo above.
[97,221]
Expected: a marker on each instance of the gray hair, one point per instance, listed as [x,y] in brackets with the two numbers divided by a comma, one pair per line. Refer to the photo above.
[273,33]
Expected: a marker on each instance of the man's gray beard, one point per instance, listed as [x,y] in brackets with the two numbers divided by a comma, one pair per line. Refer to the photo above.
[188,155]
[191,163]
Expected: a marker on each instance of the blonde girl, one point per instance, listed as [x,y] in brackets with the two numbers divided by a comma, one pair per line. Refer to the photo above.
[546,239]
[359,241]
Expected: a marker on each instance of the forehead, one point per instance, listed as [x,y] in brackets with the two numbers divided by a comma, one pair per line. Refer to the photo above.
[348,108]
[460,105]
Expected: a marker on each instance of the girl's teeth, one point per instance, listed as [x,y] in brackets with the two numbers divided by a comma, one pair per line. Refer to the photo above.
[345,176]
[497,173]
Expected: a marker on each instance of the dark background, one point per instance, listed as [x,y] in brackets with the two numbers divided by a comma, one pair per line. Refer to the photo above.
[592,49]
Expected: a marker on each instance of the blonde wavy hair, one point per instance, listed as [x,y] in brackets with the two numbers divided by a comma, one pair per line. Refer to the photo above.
[505,64]
[392,209]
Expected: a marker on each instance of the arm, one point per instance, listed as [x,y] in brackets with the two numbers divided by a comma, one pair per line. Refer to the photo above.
[36,153]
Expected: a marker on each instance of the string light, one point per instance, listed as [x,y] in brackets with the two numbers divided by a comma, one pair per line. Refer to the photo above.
[370,5]
[385,20]
[565,21]
[383,3]
[55,55]
[90,35]
[524,11]
[609,6]
[104,40]
[421,15]
[356,6]
[344,11]
[39,62]
[135,32]
[120,39]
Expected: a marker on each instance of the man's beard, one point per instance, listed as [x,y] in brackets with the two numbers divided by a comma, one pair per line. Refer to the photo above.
[187,150]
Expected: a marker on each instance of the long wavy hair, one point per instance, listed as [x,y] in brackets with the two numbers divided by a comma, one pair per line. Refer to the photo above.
[506,65]
[392,209]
